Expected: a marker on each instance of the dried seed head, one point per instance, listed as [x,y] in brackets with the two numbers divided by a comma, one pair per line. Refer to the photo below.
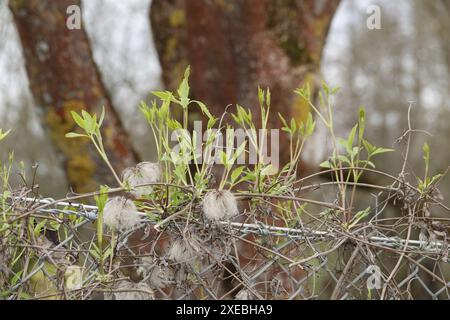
[161,277]
[244,294]
[143,173]
[220,205]
[150,171]
[220,248]
[121,214]
[182,252]
[157,276]
[128,290]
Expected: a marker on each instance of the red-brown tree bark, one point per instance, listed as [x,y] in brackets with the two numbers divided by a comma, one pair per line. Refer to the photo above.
[63,78]
[234,46]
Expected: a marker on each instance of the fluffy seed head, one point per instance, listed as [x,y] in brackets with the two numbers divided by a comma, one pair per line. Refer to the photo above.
[150,171]
[143,173]
[220,248]
[128,290]
[244,294]
[220,205]
[120,214]
[157,276]
[182,252]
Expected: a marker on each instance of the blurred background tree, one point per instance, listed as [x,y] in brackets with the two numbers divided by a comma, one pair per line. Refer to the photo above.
[234,46]
[64,78]
[386,69]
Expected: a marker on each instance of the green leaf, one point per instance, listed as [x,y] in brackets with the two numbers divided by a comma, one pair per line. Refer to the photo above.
[249,176]
[204,109]
[326,164]
[16,277]
[426,153]
[304,92]
[6,194]
[268,97]
[89,122]
[211,122]
[39,227]
[426,157]
[163,95]
[354,152]
[283,121]
[369,147]
[310,125]
[101,198]
[351,139]
[75,135]
[3,134]
[358,217]
[223,158]
[236,173]
[326,88]
[86,115]
[24,296]
[343,159]
[335,90]
[78,120]
[102,117]
[369,163]
[238,152]
[180,172]
[183,89]
[93,125]
[321,99]
[237,119]
[435,178]
[293,126]
[173,124]
[95,254]
[101,201]
[361,123]
[54,225]
[381,150]
[268,170]
[261,97]
[342,142]
[242,114]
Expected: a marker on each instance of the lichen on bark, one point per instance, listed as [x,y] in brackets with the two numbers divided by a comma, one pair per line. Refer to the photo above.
[63,77]
[234,46]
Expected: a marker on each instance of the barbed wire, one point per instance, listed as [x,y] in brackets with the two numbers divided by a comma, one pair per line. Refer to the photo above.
[265,276]
[90,212]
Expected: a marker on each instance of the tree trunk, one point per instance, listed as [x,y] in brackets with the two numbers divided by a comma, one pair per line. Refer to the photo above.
[234,46]
[63,77]
[441,11]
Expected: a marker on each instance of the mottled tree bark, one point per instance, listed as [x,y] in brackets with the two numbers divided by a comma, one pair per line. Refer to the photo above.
[63,77]
[234,46]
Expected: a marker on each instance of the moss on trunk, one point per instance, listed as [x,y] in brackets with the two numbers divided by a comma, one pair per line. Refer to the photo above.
[63,77]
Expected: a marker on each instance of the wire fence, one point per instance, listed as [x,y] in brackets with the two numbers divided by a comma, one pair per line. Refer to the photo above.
[247,258]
